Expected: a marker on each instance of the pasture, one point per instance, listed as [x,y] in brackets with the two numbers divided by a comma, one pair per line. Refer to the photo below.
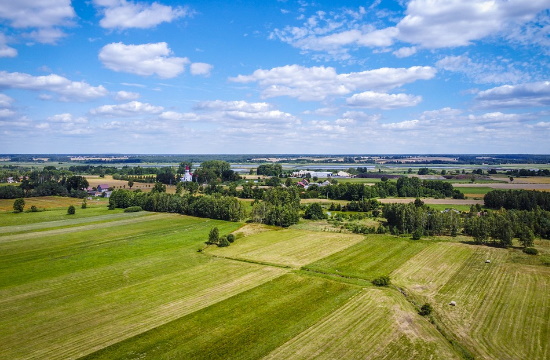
[113,285]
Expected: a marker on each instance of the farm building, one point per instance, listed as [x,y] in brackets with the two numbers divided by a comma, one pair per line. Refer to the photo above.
[103,187]
[319,174]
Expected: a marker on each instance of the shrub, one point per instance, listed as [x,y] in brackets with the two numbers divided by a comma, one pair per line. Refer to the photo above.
[531,251]
[71,210]
[223,242]
[231,238]
[34,209]
[213,236]
[425,310]
[133,209]
[381,281]
[84,204]
[19,205]
[417,234]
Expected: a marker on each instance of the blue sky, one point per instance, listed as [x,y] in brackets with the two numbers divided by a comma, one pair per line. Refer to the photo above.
[272,76]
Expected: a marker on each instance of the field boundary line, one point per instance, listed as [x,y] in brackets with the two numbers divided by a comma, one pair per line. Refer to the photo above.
[257,262]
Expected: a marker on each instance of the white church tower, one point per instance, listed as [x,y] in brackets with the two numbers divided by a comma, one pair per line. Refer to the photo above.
[187,176]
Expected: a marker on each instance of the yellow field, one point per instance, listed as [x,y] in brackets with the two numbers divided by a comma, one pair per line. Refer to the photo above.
[43,202]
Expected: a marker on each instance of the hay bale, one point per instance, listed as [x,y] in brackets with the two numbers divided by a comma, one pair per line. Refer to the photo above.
[452,303]
[487,261]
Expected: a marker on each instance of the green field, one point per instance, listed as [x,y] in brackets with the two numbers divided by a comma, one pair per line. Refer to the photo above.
[112,285]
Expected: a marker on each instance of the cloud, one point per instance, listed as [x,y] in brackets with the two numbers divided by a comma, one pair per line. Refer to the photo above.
[428,24]
[403,125]
[177,116]
[46,36]
[42,15]
[67,118]
[201,69]
[145,59]
[122,14]
[442,24]
[5,50]
[242,106]
[69,90]
[405,52]
[535,94]
[495,71]
[5,100]
[375,100]
[133,108]
[316,83]
[126,96]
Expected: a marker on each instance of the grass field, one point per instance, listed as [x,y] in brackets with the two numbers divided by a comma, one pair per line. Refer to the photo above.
[113,285]
[287,247]
[49,202]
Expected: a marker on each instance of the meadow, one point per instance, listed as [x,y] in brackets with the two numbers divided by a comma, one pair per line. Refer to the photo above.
[111,285]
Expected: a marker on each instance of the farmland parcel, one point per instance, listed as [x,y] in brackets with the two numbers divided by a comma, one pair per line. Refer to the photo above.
[110,285]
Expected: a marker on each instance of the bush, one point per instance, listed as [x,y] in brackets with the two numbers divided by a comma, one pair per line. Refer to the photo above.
[34,209]
[531,251]
[231,238]
[71,210]
[223,242]
[425,310]
[417,234]
[19,205]
[381,281]
[133,209]
[84,204]
[213,236]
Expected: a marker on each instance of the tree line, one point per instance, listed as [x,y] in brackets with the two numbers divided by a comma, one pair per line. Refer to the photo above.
[207,206]
[517,199]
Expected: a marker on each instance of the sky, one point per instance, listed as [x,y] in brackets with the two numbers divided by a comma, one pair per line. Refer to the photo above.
[275,77]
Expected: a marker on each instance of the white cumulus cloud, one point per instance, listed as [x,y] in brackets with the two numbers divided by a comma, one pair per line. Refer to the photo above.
[126,96]
[5,50]
[201,69]
[145,59]
[124,14]
[441,24]
[318,82]
[133,108]
[67,89]
[44,16]
[536,94]
[376,100]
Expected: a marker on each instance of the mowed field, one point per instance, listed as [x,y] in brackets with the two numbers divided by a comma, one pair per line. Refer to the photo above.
[114,285]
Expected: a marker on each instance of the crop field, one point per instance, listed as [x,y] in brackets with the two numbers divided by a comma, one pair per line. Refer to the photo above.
[374,256]
[375,324]
[113,285]
[288,247]
[46,202]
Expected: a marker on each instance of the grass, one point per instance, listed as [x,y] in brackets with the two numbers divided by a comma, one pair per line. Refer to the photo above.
[68,294]
[375,324]
[375,256]
[107,284]
[50,202]
[49,217]
[246,326]
[503,309]
[288,247]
